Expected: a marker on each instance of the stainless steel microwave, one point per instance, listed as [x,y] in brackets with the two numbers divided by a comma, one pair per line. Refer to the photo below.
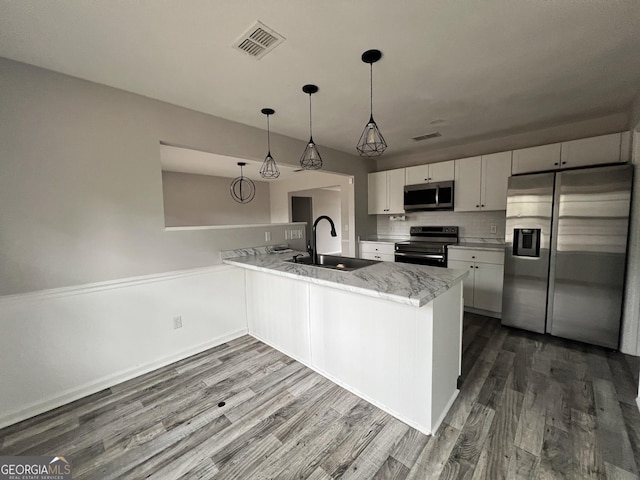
[429,196]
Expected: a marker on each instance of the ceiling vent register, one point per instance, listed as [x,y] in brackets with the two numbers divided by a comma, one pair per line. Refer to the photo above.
[427,136]
[258,41]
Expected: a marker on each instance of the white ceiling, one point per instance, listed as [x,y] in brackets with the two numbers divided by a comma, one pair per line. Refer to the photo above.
[467,68]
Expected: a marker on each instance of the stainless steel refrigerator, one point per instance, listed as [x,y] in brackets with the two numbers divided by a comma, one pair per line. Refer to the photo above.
[565,253]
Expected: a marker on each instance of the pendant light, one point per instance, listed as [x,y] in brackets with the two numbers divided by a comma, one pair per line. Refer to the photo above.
[311,159]
[371,143]
[242,188]
[269,168]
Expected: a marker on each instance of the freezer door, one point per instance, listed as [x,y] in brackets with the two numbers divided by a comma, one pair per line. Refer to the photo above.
[590,257]
[529,208]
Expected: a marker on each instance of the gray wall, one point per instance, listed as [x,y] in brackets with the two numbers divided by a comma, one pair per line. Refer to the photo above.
[81,185]
[191,199]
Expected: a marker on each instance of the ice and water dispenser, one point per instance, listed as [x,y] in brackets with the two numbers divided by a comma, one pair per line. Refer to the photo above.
[526,242]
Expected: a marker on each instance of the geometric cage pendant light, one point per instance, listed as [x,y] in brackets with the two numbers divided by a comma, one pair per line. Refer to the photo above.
[269,168]
[242,189]
[310,159]
[371,143]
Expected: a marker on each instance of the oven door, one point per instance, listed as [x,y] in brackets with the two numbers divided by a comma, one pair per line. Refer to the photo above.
[432,259]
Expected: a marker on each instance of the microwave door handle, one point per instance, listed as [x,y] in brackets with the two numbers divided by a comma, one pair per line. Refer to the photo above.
[438,196]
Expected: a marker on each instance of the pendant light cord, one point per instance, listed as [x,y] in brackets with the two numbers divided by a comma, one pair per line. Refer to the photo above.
[371,87]
[268,137]
[310,130]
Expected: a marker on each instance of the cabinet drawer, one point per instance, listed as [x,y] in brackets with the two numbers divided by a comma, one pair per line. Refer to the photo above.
[476,255]
[383,257]
[377,247]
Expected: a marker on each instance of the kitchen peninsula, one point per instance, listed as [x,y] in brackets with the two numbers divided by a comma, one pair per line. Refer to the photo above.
[389,332]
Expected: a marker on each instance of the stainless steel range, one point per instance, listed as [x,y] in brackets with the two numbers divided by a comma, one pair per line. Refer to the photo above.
[427,246]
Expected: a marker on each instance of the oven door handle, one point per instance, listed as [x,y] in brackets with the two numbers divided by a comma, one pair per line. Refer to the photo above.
[418,255]
[438,196]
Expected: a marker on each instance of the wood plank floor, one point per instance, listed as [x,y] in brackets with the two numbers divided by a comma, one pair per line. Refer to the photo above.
[530,407]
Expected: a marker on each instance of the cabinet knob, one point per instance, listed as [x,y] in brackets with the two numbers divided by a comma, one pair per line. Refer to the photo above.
[555,163]
[564,163]
[482,205]
[477,206]
[476,266]
[473,256]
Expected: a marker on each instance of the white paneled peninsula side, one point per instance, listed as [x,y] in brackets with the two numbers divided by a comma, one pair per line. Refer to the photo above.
[390,333]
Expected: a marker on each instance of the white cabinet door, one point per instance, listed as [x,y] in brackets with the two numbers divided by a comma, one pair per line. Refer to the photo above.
[487,294]
[468,174]
[377,192]
[591,151]
[536,159]
[431,172]
[417,174]
[467,283]
[278,312]
[386,192]
[442,171]
[395,182]
[496,170]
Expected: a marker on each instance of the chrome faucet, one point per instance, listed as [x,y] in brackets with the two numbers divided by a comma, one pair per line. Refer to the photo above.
[314,249]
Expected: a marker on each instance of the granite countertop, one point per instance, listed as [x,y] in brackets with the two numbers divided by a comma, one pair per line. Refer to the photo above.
[480,246]
[410,284]
[384,239]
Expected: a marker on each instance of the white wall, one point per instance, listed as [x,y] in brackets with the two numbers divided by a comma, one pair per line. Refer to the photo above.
[325,202]
[62,344]
[280,192]
[191,199]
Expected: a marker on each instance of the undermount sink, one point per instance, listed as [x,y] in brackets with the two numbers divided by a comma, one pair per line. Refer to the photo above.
[336,262]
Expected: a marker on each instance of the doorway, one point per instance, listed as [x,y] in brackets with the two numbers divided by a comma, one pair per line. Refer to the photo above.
[302,211]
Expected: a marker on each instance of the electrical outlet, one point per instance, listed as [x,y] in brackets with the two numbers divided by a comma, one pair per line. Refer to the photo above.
[494,229]
[267,236]
[286,234]
[177,322]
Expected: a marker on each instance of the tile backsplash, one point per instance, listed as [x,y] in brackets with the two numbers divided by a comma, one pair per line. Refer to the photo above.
[473,225]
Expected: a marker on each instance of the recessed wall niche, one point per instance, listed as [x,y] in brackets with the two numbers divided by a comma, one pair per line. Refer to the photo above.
[195,189]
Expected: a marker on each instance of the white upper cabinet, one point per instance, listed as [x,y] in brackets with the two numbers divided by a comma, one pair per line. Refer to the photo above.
[536,159]
[595,150]
[481,182]
[431,172]
[496,170]
[468,175]
[575,153]
[386,192]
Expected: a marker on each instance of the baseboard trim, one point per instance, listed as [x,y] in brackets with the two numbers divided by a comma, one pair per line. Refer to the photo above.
[486,313]
[110,380]
[111,284]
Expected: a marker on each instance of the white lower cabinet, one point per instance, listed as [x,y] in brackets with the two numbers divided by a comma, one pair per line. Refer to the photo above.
[402,358]
[383,251]
[482,289]
[277,313]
